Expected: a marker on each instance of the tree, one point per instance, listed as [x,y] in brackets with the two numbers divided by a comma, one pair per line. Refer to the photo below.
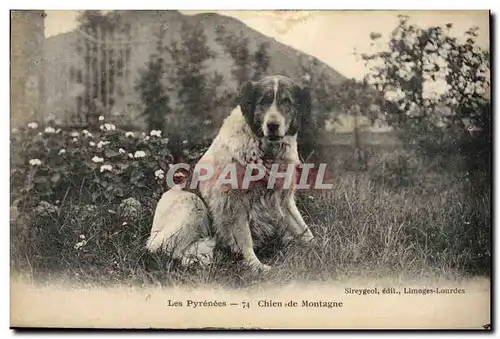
[261,61]
[152,90]
[188,72]
[323,100]
[357,98]
[237,48]
[401,71]
[247,66]
[192,86]
[104,62]
[417,58]
[468,81]
[468,96]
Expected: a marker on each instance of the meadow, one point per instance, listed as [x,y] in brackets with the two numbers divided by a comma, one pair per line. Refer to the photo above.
[82,204]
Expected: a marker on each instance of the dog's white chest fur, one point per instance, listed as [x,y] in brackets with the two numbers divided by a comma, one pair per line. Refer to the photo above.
[236,143]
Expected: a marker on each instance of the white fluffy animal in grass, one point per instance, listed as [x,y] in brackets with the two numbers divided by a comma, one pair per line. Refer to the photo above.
[263,128]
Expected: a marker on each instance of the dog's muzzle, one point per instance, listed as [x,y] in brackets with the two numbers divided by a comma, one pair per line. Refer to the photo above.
[274,125]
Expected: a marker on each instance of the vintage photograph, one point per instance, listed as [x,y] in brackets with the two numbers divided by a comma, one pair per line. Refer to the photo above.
[250,169]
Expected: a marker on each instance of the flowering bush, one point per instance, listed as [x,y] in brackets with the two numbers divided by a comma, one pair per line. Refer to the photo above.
[54,164]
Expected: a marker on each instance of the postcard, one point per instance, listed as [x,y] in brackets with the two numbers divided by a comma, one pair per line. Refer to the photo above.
[250,170]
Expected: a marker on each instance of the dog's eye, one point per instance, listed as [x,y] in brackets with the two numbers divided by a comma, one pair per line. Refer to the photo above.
[287,101]
[266,100]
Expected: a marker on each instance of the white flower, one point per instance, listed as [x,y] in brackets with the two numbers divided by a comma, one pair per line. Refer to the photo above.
[124,223]
[159,174]
[50,130]
[155,133]
[62,151]
[108,127]
[80,244]
[101,118]
[39,133]
[130,155]
[75,140]
[82,236]
[143,134]
[146,138]
[102,143]
[96,159]
[106,168]
[184,142]
[74,134]
[122,151]
[92,143]
[87,133]
[139,154]
[129,134]
[33,125]
[35,162]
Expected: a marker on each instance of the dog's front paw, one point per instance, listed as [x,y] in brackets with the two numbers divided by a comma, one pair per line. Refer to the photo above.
[313,243]
[306,238]
[258,267]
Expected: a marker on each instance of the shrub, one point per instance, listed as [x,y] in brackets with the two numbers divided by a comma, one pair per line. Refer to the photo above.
[107,166]
[395,169]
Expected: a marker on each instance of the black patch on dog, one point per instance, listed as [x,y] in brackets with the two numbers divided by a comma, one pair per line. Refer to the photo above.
[248,101]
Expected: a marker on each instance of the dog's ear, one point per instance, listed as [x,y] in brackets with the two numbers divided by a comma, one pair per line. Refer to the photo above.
[247,99]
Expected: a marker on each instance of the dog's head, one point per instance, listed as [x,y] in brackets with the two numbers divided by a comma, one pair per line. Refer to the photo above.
[275,106]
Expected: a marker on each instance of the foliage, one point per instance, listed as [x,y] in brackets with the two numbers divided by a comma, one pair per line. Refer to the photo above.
[247,66]
[62,164]
[152,90]
[395,170]
[371,223]
[188,71]
[352,95]
[261,61]
[192,85]
[358,98]
[238,48]
[401,71]
[418,59]
[101,56]
[468,96]
[322,90]
[468,79]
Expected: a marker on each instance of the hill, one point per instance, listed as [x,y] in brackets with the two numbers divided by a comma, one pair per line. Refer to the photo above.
[61,56]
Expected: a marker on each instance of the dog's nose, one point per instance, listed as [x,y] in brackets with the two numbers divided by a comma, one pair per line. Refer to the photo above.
[273,127]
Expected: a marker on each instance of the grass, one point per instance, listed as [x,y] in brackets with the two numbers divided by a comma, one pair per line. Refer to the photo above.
[372,223]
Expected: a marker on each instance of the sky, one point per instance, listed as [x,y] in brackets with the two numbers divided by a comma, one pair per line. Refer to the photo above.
[331,36]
